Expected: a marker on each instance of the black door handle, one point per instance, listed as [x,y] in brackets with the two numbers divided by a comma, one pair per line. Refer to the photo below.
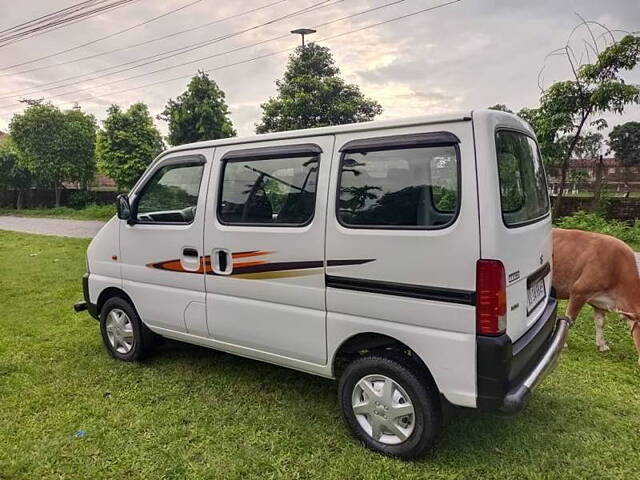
[222,261]
[189,252]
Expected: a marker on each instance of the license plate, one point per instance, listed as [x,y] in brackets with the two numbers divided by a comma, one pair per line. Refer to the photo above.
[535,294]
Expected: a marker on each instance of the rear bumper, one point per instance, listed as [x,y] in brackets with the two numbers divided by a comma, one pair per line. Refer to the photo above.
[509,371]
[86,304]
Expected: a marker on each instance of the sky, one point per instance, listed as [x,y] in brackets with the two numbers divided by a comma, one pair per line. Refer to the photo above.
[467,55]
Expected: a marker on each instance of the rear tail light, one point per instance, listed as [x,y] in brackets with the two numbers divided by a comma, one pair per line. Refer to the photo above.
[491,298]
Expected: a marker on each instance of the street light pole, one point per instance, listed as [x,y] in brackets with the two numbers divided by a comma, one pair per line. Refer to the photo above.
[302,32]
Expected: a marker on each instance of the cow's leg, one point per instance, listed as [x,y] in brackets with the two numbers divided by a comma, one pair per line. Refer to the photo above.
[635,334]
[576,302]
[600,319]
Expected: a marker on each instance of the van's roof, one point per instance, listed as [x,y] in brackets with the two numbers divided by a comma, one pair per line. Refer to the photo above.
[312,132]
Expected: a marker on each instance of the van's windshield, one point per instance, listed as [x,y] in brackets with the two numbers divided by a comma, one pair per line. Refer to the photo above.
[523,185]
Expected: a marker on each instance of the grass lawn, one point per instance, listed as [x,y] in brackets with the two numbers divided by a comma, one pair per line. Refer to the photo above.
[91,212]
[189,412]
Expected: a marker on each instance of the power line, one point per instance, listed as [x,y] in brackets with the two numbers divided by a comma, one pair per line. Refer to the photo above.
[29,92]
[30,31]
[208,57]
[79,20]
[119,32]
[146,42]
[271,54]
[221,67]
[13,36]
[172,53]
[43,18]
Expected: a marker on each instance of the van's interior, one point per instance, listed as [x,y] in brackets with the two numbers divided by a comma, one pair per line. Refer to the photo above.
[398,187]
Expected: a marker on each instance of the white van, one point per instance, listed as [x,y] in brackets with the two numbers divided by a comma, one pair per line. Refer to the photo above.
[408,259]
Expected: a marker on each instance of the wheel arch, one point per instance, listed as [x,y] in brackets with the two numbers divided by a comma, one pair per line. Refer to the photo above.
[111,292]
[364,342]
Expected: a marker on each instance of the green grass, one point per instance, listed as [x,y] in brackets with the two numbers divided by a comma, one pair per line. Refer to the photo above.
[188,412]
[626,231]
[91,212]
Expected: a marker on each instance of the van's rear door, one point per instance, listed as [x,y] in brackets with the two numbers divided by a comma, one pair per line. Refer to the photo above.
[514,214]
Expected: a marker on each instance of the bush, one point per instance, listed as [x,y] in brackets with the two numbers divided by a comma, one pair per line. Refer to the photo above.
[592,222]
[79,199]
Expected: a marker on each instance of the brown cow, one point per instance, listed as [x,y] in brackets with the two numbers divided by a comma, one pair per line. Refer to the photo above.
[599,270]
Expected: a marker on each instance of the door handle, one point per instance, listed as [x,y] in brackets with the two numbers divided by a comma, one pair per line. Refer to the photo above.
[189,252]
[221,261]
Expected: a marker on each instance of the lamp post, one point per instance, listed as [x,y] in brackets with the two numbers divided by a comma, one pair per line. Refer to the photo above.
[302,32]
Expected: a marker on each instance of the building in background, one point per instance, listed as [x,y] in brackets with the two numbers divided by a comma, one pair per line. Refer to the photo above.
[582,177]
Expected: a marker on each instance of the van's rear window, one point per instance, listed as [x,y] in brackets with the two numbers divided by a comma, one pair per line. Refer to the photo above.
[523,185]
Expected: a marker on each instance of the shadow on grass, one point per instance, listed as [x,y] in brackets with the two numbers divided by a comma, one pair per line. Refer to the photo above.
[469,436]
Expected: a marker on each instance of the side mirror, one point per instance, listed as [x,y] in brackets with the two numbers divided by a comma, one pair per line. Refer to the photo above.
[124,208]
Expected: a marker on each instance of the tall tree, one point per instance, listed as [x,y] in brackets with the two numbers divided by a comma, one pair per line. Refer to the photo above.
[567,108]
[624,140]
[589,145]
[127,144]
[311,94]
[12,175]
[200,113]
[56,146]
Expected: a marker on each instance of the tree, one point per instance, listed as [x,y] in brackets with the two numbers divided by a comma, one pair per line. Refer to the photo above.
[501,108]
[200,113]
[311,94]
[624,140]
[12,175]
[127,144]
[589,147]
[567,107]
[55,146]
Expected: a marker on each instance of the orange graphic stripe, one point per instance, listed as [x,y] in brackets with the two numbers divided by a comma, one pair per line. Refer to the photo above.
[256,253]
[175,266]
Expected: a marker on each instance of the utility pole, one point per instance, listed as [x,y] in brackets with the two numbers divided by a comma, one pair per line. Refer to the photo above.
[302,32]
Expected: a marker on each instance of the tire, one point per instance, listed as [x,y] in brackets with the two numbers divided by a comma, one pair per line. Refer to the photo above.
[129,340]
[380,425]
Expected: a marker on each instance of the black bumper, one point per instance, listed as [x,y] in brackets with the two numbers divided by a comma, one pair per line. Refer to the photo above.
[508,371]
[86,304]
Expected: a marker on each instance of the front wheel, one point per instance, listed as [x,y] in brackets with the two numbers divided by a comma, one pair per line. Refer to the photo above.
[123,333]
[389,406]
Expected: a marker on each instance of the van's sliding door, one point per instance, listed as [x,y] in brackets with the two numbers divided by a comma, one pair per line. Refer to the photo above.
[264,238]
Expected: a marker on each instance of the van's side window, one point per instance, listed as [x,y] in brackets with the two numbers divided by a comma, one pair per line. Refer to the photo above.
[171,195]
[399,188]
[523,185]
[269,191]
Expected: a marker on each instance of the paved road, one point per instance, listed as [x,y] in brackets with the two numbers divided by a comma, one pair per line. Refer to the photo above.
[51,226]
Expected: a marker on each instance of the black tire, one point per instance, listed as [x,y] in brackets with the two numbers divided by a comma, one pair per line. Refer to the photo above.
[143,338]
[423,395]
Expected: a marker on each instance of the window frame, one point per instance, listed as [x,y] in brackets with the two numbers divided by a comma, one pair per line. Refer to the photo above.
[502,212]
[277,152]
[178,161]
[402,142]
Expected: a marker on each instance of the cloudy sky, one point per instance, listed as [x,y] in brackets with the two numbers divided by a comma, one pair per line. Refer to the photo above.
[469,54]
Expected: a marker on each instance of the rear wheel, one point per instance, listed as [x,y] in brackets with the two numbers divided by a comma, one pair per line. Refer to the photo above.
[123,333]
[389,406]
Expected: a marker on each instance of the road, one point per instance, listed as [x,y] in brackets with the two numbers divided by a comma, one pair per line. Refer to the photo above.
[51,226]
[70,228]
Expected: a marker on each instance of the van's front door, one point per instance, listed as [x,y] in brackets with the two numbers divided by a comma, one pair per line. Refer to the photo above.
[161,251]
[264,238]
